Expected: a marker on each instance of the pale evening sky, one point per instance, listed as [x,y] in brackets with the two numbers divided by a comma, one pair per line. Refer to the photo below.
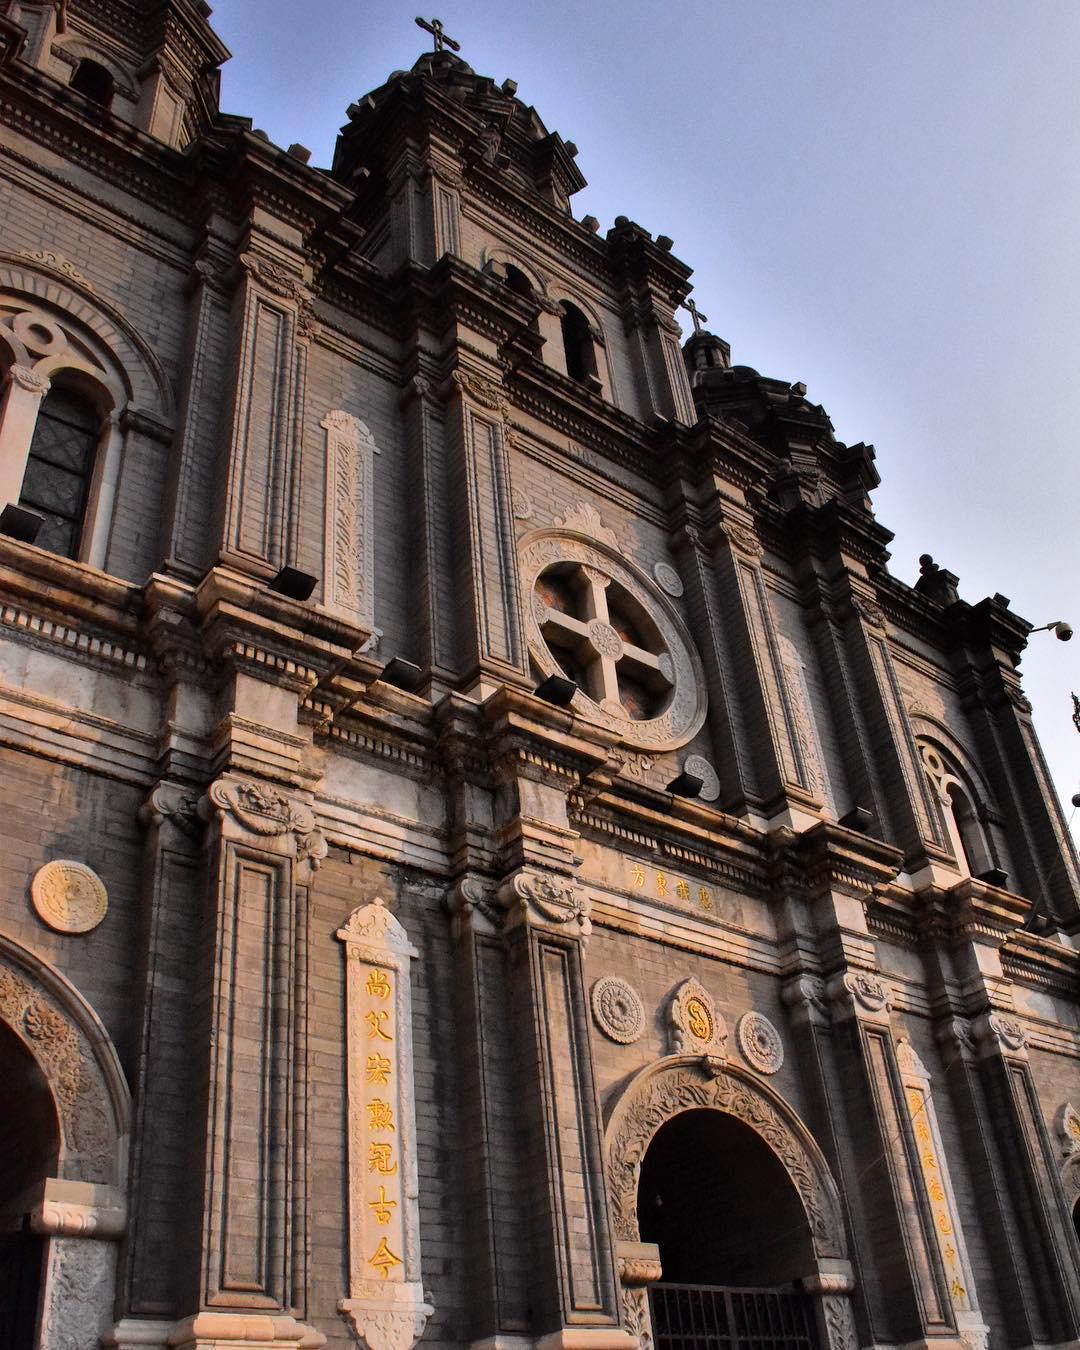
[880,199]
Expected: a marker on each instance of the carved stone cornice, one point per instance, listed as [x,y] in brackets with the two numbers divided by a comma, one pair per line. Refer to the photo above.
[282,641]
[830,858]
[971,911]
[58,603]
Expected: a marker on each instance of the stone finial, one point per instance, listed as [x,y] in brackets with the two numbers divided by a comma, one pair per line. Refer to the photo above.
[936,583]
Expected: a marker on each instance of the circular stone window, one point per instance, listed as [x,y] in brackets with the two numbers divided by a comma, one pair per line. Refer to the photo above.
[595,618]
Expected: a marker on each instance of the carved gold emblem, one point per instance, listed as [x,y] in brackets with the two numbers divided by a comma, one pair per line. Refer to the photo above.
[698,1019]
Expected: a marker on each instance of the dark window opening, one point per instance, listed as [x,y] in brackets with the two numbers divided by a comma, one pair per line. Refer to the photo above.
[1076,1219]
[58,468]
[519,283]
[29,1150]
[578,346]
[94,81]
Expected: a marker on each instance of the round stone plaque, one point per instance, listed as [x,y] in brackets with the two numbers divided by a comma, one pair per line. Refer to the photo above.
[69,896]
[668,579]
[700,767]
[618,1009]
[759,1042]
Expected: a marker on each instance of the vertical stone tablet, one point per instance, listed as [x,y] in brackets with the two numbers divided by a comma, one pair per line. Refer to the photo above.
[385,1306]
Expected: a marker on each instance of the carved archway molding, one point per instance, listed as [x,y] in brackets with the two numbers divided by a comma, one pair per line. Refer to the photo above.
[74,1052]
[82,1211]
[678,1083]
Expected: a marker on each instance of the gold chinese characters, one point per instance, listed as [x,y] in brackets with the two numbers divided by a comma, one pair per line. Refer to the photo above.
[662,885]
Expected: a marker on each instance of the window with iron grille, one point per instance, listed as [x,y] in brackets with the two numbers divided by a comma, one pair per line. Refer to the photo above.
[58,469]
[696,1317]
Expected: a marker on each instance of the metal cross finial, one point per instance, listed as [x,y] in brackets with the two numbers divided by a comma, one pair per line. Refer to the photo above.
[435,28]
[695,314]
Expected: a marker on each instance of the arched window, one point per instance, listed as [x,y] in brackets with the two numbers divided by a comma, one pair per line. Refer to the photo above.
[59,467]
[94,81]
[578,346]
[519,283]
[967,838]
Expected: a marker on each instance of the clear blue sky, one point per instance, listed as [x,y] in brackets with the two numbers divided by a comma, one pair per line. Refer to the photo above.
[879,198]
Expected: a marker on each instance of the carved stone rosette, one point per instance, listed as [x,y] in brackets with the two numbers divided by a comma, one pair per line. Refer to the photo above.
[618,1010]
[760,1043]
[386,1306]
[546,898]
[69,896]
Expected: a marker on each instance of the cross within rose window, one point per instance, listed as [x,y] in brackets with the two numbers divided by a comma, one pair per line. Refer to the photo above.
[594,615]
[605,640]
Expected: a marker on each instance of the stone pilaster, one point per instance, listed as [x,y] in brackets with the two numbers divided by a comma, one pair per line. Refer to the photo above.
[262,846]
[1032,1243]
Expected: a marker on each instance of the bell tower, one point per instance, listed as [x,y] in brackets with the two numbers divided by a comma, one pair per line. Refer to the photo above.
[151,63]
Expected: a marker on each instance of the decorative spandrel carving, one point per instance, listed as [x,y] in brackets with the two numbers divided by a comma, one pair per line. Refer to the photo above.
[591,614]
[696,1026]
[349,525]
[585,519]
[69,896]
[386,1305]
[699,767]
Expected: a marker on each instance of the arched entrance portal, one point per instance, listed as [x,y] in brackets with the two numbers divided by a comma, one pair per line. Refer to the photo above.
[732,1234]
[757,1203]
[64,1109]
[29,1150]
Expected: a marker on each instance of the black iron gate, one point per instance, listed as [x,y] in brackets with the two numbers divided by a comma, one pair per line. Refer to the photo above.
[697,1317]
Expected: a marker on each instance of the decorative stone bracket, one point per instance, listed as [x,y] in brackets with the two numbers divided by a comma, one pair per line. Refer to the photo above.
[548,899]
[262,810]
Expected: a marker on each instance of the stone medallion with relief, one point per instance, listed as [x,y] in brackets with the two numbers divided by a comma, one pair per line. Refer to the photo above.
[593,616]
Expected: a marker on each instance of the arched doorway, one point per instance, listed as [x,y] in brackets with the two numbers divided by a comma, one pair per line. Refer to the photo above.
[64,1110]
[29,1149]
[730,1154]
[733,1237]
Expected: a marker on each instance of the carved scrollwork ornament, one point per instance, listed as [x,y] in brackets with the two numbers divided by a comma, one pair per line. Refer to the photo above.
[618,1010]
[275,278]
[996,1030]
[869,610]
[806,996]
[263,810]
[867,991]
[56,262]
[547,897]
[745,540]
[760,1043]
[840,1322]
[483,391]
[26,379]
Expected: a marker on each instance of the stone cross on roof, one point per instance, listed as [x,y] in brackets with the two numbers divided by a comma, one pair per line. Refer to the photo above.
[435,28]
[695,313]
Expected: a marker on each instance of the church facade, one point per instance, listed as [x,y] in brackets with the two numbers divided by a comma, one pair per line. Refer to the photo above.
[490,855]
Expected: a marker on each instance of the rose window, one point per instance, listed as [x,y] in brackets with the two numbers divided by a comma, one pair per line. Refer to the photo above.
[595,618]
